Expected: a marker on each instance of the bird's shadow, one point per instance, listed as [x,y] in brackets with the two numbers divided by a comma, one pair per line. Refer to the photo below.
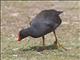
[40,48]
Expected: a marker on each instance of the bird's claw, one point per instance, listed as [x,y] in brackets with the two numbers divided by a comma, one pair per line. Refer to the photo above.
[58,45]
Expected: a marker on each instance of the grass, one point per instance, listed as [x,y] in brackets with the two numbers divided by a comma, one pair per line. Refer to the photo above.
[15,16]
[11,50]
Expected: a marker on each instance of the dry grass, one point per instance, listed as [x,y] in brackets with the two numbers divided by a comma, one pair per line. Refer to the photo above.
[17,15]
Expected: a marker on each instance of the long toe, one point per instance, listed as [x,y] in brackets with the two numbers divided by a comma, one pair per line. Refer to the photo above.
[58,45]
[61,46]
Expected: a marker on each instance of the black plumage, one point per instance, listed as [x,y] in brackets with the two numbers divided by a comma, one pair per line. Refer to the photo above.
[43,23]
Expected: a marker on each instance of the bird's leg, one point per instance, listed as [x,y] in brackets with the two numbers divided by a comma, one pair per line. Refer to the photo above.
[56,43]
[43,40]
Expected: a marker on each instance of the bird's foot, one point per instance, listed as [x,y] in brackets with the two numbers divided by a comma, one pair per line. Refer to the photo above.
[44,46]
[58,45]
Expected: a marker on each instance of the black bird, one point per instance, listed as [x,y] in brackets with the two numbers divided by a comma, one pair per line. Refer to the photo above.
[45,22]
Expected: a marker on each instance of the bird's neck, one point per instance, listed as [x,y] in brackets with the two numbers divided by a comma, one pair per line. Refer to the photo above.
[26,32]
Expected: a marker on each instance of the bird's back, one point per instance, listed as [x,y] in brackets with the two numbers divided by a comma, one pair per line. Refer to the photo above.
[45,22]
[47,16]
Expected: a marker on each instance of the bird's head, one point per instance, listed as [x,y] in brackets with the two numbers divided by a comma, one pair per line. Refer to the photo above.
[22,34]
